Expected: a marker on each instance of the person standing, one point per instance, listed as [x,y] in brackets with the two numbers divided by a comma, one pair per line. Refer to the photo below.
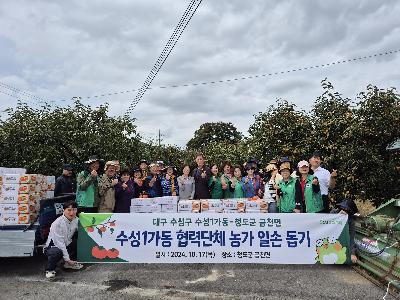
[143,166]
[169,182]
[65,183]
[214,184]
[286,190]
[226,181]
[139,183]
[270,195]
[326,180]
[308,193]
[107,188]
[153,182]
[124,192]
[87,194]
[201,175]
[237,184]
[252,184]
[186,184]
[61,242]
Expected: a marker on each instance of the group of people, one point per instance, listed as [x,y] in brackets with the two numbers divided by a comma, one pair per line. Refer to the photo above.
[284,186]
[288,188]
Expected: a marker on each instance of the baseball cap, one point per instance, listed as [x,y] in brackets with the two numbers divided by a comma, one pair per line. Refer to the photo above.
[303,163]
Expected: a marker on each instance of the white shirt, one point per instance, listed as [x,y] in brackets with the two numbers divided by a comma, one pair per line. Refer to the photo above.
[324,177]
[270,191]
[61,232]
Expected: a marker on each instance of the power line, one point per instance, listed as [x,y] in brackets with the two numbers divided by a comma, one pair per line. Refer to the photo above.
[292,70]
[179,29]
[21,92]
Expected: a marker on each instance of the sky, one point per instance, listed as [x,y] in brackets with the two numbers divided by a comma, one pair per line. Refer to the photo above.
[57,50]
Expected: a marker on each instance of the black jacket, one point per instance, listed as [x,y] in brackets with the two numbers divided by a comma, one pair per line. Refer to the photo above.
[64,185]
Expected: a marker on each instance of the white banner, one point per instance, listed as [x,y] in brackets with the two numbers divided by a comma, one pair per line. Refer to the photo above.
[214,238]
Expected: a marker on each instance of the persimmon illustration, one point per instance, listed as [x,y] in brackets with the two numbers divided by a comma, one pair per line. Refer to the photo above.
[112,253]
[103,229]
[112,224]
[90,229]
[99,253]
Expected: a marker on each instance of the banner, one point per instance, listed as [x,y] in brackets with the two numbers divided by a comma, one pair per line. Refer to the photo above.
[214,238]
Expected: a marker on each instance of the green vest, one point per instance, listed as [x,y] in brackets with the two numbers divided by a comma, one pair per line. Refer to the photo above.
[238,193]
[227,193]
[313,200]
[216,192]
[287,201]
[88,197]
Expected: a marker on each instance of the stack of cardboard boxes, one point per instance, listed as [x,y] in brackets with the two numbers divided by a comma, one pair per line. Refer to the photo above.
[20,195]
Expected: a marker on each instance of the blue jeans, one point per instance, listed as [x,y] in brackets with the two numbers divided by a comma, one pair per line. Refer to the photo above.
[272,207]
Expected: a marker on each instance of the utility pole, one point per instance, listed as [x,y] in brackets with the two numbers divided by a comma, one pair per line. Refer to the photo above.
[159,137]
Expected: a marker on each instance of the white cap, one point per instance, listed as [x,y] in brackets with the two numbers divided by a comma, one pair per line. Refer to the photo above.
[303,163]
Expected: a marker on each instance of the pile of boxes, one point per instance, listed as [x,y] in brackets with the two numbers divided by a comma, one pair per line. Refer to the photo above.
[172,204]
[154,205]
[20,195]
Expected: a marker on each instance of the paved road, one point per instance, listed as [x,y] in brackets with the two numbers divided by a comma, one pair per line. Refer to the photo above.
[24,279]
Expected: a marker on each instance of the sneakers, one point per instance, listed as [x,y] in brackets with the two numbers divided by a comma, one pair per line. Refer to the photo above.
[76,266]
[50,274]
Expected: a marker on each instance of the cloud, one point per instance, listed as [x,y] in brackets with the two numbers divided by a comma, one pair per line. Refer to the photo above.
[63,49]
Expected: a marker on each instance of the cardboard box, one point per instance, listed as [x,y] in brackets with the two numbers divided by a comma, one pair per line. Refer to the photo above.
[9,189]
[256,205]
[233,211]
[50,183]
[189,206]
[17,208]
[41,187]
[19,199]
[16,219]
[169,208]
[50,179]
[261,211]
[211,205]
[19,171]
[28,178]
[26,188]
[49,194]
[153,208]
[234,204]
[166,200]
[142,201]
[11,179]
[41,179]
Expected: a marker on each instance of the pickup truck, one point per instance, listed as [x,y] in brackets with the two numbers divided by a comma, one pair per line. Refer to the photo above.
[28,240]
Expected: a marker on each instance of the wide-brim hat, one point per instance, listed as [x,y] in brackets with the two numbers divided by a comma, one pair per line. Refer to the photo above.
[154,165]
[285,165]
[110,163]
[270,167]
[93,159]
